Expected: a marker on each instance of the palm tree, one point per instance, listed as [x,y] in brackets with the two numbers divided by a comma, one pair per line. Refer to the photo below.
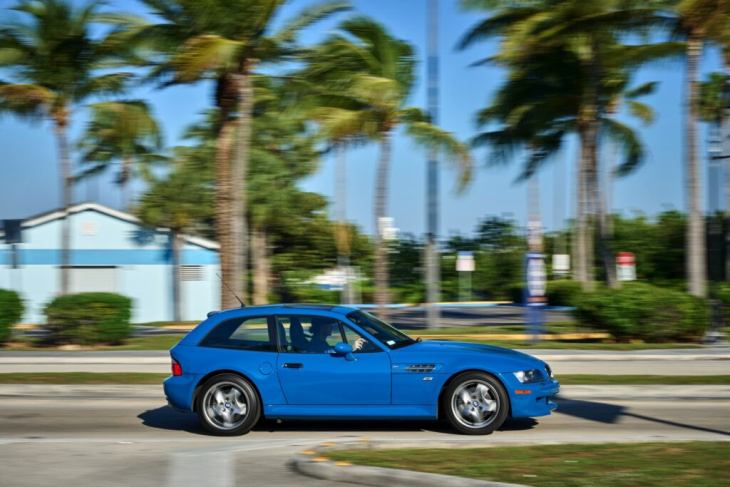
[697,21]
[367,67]
[282,152]
[589,33]
[179,202]
[222,40]
[123,131]
[53,62]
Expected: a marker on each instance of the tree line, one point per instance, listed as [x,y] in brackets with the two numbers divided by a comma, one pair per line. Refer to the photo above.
[279,106]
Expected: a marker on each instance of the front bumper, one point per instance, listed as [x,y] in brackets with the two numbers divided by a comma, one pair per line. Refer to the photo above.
[531,400]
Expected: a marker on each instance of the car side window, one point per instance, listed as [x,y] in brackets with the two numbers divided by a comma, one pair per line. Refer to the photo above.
[242,334]
[359,343]
[308,334]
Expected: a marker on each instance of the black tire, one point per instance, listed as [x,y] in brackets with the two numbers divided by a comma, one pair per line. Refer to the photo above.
[228,405]
[475,403]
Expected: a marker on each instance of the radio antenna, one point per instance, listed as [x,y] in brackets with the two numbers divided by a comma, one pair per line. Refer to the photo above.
[231,290]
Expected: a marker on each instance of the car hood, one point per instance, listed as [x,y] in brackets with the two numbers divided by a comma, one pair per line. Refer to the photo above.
[445,352]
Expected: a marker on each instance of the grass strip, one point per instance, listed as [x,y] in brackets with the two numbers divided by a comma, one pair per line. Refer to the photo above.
[675,464]
[82,378]
[147,378]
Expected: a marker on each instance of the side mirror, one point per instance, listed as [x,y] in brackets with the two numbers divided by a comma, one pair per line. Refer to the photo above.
[346,350]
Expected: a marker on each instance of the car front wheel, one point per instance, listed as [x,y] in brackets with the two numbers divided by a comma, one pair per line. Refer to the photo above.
[475,403]
[228,405]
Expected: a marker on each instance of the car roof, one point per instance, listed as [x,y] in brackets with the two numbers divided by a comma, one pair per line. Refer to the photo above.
[289,307]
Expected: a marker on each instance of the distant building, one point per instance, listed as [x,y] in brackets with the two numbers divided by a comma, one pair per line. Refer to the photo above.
[111,251]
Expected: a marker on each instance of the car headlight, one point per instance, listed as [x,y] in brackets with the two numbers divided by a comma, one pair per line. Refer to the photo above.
[529,376]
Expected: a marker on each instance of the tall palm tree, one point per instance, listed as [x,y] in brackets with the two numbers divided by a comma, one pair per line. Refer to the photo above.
[179,202]
[590,33]
[225,41]
[124,132]
[697,21]
[282,153]
[53,61]
[364,64]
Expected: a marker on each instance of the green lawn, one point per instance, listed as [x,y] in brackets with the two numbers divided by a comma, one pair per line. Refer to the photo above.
[610,465]
[144,378]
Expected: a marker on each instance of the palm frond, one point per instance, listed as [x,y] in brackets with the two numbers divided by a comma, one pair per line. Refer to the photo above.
[443,142]
[628,143]
[306,17]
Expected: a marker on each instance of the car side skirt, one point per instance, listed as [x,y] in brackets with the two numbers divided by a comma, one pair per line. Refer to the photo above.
[350,412]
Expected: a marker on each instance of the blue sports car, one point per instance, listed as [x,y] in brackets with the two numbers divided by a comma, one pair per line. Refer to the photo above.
[339,362]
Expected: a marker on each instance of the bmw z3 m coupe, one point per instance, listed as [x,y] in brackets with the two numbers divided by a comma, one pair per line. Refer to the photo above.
[339,362]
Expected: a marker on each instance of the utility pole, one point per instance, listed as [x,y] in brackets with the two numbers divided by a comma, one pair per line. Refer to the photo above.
[433,267]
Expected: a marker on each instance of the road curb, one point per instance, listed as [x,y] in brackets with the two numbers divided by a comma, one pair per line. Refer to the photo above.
[314,463]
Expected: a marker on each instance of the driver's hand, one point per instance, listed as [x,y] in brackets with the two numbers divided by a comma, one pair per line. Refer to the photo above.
[358,344]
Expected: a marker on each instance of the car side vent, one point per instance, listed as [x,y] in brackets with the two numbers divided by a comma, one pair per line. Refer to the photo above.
[420,368]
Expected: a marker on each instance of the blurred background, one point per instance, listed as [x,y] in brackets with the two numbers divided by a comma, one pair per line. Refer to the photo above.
[377,153]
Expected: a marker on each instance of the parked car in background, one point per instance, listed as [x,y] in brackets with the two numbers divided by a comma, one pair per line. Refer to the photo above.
[339,362]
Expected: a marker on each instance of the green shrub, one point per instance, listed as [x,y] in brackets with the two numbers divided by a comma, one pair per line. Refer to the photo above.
[564,293]
[559,293]
[11,311]
[89,318]
[641,311]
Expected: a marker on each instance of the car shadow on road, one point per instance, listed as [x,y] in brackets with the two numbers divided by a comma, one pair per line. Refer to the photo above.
[611,413]
[166,418]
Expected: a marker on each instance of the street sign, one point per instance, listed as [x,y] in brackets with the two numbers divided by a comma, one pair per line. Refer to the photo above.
[625,266]
[536,278]
[561,264]
[465,262]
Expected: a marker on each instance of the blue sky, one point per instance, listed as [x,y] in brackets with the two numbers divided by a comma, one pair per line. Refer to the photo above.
[29,181]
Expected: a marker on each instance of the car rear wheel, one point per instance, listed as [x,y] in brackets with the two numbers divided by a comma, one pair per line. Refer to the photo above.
[228,405]
[475,403]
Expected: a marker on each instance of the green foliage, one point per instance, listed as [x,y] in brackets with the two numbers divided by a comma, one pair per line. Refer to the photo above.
[89,318]
[641,311]
[11,311]
[564,293]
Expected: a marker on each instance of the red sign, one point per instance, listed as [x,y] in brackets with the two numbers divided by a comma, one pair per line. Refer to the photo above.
[625,258]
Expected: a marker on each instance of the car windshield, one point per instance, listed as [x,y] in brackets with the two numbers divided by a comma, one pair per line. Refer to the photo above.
[385,333]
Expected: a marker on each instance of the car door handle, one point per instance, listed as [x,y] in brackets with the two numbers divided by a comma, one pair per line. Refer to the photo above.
[293,366]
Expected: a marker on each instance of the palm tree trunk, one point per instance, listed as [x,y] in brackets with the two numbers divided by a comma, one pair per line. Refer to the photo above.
[240,174]
[124,183]
[725,134]
[261,267]
[225,213]
[578,244]
[696,258]
[342,234]
[381,204]
[66,188]
[585,247]
[176,285]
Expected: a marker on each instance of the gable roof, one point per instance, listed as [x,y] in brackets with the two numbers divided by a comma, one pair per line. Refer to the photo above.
[46,217]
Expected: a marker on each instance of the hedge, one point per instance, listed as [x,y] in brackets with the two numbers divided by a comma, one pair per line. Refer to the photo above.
[559,293]
[89,318]
[641,311]
[11,311]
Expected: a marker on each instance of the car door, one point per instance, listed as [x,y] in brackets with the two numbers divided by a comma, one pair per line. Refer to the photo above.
[311,373]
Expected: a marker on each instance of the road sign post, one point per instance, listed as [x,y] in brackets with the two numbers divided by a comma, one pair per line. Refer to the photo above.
[535,292]
[465,266]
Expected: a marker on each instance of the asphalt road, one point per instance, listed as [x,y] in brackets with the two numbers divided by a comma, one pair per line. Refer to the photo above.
[140,442]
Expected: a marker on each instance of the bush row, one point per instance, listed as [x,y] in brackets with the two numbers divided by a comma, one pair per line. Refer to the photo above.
[638,310]
[89,318]
[11,311]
